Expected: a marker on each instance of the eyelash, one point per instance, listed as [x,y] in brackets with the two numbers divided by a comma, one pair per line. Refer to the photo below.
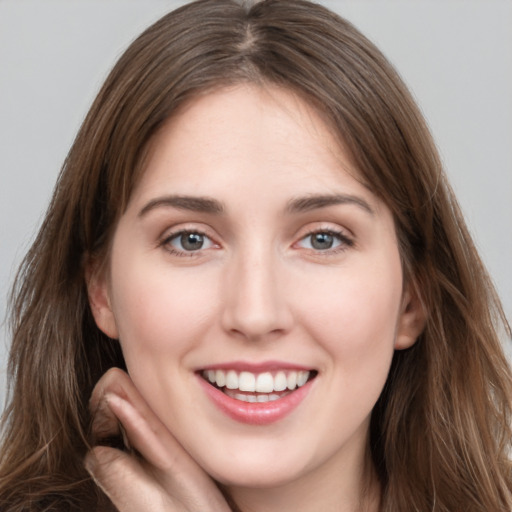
[345,242]
[166,242]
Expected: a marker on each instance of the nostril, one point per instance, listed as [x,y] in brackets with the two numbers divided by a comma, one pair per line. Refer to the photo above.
[254,308]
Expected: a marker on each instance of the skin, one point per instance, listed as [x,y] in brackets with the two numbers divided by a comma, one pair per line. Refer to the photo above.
[257,290]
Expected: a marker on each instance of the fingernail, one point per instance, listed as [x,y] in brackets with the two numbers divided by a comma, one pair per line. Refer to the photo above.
[101,417]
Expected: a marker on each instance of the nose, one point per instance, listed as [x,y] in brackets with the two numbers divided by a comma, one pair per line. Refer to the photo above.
[256,305]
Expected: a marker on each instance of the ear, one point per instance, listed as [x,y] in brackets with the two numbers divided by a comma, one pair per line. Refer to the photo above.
[99,299]
[412,320]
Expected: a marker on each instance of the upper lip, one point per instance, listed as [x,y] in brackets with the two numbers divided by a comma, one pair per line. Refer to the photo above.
[256,367]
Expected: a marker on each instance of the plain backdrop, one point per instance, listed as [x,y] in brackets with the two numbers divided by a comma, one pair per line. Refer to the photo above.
[456,56]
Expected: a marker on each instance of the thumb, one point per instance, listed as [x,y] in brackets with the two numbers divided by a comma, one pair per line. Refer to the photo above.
[123,479]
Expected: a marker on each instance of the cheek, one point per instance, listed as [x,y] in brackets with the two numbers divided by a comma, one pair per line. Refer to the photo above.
[160,313]
[354,316]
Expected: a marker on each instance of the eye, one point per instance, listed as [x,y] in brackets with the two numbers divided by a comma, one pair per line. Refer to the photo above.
[188,241]
[326,240]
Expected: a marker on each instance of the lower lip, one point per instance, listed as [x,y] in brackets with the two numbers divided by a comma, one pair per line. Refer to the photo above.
[262,413]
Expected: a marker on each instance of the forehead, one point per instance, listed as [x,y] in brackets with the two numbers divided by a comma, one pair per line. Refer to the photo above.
[250,137]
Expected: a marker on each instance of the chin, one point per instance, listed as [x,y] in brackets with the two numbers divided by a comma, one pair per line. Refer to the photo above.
[256,479]
[251,472]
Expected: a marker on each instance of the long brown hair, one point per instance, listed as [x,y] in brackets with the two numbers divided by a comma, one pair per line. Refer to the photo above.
[440,432]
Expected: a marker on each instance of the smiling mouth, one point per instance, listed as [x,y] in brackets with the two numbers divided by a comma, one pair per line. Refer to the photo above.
[257,387]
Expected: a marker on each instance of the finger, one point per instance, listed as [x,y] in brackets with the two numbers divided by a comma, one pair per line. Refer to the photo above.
[115,381]
[116,401]
[153,442]
[175,469]
[105,425]
[123,479]
[119,408]
[157,445]
[186,487]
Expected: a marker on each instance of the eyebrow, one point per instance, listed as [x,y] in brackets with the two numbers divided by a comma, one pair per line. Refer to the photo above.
[191,203]
[212,206]
[314,202]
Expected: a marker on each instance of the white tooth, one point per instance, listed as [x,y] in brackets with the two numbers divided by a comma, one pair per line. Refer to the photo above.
[220,378]
[262,398]
[265,383]
[302,378]
[273,397]
[251,398]
[247,382]
[280,382]
[239,396]
[291,380]
[231,380]
[211,376]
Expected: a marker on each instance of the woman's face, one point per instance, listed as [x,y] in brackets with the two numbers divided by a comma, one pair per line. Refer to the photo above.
[250,255]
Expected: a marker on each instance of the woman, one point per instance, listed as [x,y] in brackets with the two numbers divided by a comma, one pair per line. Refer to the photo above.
[254,223]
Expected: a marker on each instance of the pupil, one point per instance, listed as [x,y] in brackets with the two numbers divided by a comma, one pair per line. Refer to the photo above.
[191,241]
[322,241]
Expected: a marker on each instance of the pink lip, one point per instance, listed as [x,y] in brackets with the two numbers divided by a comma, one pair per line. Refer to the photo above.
[262,413]
[267,366]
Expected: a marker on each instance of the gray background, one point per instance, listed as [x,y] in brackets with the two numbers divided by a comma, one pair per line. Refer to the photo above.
[455,55]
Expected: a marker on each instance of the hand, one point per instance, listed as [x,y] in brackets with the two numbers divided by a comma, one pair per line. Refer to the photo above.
[155,473]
